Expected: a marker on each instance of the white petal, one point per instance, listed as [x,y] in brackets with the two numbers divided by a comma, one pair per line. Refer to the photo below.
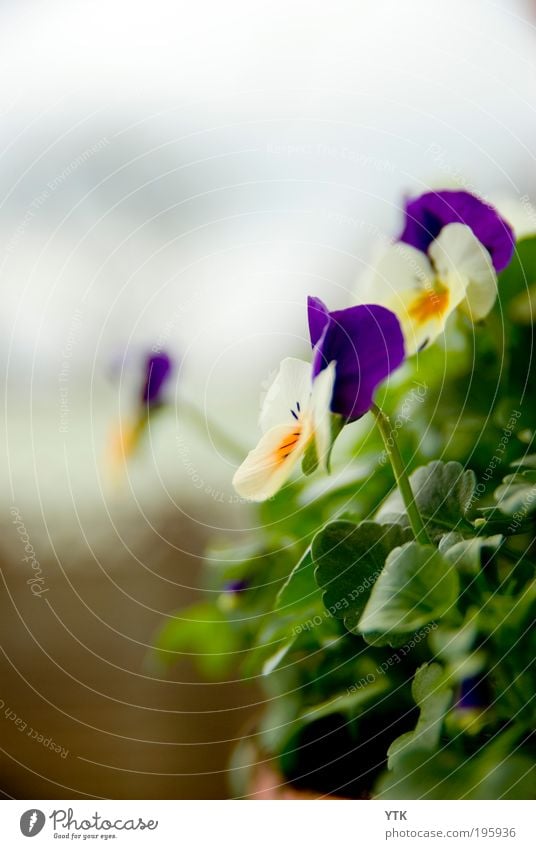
[426,312]
[399,269]
[465,266]
[520,214]
[270,464]
[321,412]
[400,279]
[291,387]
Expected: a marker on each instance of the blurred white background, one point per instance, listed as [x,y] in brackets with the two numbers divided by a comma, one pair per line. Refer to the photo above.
[184,174]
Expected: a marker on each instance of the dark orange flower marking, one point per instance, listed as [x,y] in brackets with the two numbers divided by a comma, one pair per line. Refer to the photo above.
[288,445]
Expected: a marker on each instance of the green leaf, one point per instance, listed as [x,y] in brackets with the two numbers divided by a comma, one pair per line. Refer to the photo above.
[310,459]
[454,644]
[443,494]
[446,775]
[275,659]
[348,560]
[494,772]
[472,555]
[300,591]
[526,462]
[517,279]
[511,615]
[517,494]
[433,698]
[348,704]
[416,587]
[337,424]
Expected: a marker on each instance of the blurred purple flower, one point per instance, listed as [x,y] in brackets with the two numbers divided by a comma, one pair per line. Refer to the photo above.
[365,342]
[429,213]
[236,586]
[473,694]
[158,369]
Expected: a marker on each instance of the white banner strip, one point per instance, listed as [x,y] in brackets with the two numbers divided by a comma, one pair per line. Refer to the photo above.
[268,825]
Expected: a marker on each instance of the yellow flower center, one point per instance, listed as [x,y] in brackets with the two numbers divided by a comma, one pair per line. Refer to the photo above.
[433,302]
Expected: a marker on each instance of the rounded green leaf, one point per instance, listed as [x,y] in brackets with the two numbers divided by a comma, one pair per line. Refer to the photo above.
[348,560]
[417,586]
[443,493]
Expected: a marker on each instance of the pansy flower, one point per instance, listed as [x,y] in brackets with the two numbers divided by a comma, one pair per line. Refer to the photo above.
[474,698]
[156,371]
[473,694]
[354,350]
[447,256]
[232,592]
[365,342]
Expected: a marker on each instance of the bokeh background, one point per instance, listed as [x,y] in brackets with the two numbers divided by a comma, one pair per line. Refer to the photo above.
[181,176]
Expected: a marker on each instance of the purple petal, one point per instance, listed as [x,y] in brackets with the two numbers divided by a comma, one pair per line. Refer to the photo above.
[367,344]
[318,316]
[236,586]
[428,214]
[157,371]
[473,693]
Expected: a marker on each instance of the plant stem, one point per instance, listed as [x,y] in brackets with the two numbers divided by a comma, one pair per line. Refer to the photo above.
[401,478]
[211,430]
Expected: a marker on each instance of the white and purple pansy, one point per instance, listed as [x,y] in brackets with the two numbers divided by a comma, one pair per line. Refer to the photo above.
[354,350]
[448,255]
[365,342]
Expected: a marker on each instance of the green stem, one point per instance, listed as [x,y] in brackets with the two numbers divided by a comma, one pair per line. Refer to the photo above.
[399,470]
[211,430]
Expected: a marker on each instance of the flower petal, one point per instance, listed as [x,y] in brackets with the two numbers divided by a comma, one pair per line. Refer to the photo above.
[398,270]
[405,281]
[423,316]
[288,396]
[428,214]
[465,266]
[270,464]
[366,343]
[157,370]
[318,317]
[321,412]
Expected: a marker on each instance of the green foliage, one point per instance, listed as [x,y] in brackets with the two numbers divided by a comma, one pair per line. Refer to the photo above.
[448,775]
[299,592]
[346,703]
[348,559]
[432,698]
[470,556]
[517,494]
[202,633]
[492,772]
[365,641]
[310,460]
[417,586]
[443,494]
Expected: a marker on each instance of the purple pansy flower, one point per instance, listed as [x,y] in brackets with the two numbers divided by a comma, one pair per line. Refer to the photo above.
[429,213]
[353,351]
[157,371]
[366,344]
[446,258]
